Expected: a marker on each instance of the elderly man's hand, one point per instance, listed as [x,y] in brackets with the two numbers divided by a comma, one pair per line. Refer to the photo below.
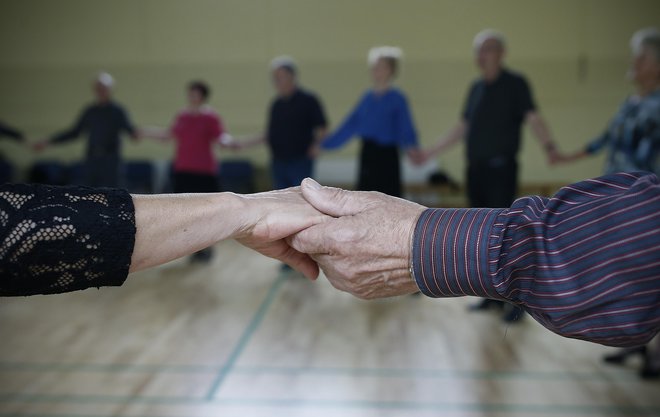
[365,249]
[266,219]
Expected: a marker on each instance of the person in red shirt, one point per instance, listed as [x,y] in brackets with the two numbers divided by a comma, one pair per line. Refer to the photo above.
[196,130]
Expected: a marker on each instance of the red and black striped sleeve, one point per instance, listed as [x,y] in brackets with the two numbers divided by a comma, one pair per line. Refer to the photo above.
[585,263]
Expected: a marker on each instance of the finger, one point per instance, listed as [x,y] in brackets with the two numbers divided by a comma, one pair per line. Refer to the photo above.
[301,262]
[313,240]
[332,201]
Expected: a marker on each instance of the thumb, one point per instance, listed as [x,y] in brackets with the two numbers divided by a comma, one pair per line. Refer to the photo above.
[331,201]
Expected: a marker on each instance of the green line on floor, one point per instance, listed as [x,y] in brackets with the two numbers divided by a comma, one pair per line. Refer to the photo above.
[246,336]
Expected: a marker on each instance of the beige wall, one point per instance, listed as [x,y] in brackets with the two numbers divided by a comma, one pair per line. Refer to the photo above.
[50,50]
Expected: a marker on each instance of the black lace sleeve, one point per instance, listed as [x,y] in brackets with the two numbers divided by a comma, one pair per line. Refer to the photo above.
[60,239]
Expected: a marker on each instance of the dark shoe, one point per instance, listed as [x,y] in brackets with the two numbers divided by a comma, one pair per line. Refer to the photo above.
[620,357]
[486,304]
[204,256]
[649,372]
[515,315]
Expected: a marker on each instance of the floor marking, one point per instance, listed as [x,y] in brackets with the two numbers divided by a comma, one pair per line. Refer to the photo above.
[246,336]
[560,409]
[602,376]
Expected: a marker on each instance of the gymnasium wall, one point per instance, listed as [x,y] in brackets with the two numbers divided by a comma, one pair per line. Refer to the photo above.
[575,52]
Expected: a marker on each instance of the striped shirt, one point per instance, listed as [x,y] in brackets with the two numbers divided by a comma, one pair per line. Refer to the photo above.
[585,263]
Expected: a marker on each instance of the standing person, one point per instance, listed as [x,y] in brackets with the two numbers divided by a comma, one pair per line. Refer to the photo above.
[296,124]
[383,120]
[196,129]
[633,135]
[103,121]
[497,105]
[633,142]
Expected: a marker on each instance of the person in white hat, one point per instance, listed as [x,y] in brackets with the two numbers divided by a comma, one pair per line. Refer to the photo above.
[103,121]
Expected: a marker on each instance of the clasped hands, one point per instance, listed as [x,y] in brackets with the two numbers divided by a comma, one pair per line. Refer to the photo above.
[361,240]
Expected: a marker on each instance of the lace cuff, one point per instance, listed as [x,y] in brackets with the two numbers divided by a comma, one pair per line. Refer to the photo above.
[61,239]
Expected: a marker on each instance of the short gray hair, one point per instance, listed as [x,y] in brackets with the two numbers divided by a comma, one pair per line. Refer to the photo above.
[286,62]
[646,38]
[488,34]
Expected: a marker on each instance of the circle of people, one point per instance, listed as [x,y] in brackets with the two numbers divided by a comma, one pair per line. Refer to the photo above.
[559,259]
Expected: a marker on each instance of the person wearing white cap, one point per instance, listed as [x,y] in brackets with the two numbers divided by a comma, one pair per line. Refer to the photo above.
[103,121]
[296,122]
[497,105]
[383,120]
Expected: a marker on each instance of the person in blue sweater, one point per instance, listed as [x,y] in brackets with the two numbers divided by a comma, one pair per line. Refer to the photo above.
[383,120]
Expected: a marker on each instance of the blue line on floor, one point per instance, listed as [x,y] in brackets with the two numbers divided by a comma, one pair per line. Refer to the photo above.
[246,336]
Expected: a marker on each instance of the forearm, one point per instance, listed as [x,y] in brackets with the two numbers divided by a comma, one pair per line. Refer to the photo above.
[153,132]
[170,226]
[252,141]
[541,132]
[11,133]
[560,259]
[455,135]
[65,136]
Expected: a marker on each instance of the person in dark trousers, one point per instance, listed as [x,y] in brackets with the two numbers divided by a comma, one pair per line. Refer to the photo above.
[103,122]
[497,105]
[296,124]
[197,129]
[383,120]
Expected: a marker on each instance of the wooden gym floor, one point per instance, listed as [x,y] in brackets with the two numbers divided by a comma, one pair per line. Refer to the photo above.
[239,338]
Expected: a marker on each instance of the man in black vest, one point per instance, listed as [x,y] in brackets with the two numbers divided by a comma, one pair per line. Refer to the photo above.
[497,105]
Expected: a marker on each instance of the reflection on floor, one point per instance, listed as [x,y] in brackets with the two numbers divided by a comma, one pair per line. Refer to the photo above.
[239,338]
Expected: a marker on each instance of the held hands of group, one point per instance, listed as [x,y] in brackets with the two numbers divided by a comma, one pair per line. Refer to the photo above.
[361,240]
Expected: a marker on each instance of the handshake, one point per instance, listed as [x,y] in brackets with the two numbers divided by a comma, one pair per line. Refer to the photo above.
[361,240]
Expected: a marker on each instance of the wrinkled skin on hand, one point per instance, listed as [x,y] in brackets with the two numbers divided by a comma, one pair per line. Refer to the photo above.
[365,248]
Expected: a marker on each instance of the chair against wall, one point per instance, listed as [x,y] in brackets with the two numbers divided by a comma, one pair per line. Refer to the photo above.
[139,176]
[77,173]
[6,171]
[237,176]
[48,172]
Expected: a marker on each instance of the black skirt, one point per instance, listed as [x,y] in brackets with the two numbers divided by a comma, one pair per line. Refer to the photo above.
[379,168]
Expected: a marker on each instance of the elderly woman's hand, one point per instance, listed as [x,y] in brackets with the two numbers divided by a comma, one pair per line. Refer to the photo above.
[266,219]
[170,226]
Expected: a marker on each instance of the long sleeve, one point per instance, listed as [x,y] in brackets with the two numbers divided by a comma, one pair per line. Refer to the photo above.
[406,127]
[61,239]
[10,132]
[585,263]
[126,123]
[347,130]
[598,143]
[73,132]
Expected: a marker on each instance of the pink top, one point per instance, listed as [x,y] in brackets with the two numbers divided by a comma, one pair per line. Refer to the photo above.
[195,134]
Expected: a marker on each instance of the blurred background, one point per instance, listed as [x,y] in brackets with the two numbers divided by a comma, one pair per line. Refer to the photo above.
[239,336]
[574,53]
